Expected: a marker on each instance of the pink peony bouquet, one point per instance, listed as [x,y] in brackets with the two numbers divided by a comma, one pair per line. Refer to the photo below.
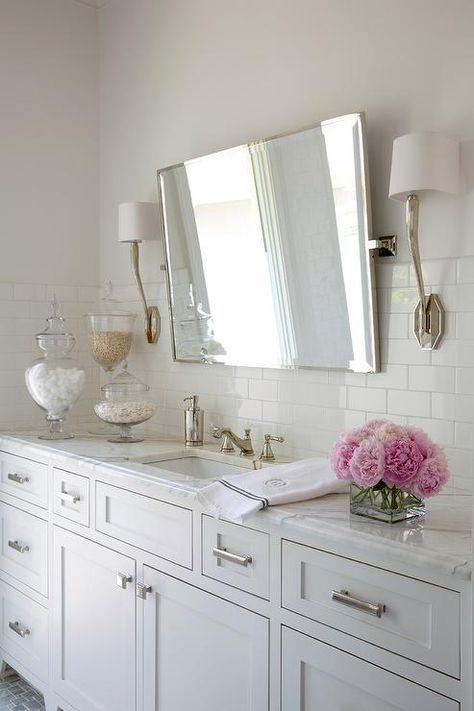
[381,454]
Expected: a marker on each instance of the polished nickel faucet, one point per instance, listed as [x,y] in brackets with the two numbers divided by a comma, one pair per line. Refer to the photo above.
[229,438]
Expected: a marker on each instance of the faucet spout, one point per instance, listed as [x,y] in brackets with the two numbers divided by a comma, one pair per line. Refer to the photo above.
[244,444]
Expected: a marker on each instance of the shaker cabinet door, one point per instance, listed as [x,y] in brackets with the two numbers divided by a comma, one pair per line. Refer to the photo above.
[318,677]
[93,625]
[201,652]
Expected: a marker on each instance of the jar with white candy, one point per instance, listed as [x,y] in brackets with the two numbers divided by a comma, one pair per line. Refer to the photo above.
[126,402]
[55,381]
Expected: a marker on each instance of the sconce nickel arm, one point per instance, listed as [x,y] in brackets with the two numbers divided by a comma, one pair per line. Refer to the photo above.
[152,315]
[414,246]
[429,312]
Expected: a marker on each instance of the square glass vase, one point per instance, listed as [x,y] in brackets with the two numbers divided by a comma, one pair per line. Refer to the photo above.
[385,504]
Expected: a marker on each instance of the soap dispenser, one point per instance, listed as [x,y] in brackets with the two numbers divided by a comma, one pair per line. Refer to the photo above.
[193,422]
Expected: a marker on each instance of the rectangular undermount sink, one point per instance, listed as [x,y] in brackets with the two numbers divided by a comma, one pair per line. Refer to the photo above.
[196,466]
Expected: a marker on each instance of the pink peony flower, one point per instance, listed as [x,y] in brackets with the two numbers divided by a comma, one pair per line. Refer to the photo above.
[423,442]
[341,455]
[431,477]
[402,461]
[363,431]
[389,430]
[367,463]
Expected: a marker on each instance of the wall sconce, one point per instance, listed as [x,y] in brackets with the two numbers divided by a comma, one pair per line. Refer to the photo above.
[422,162]
[139,222]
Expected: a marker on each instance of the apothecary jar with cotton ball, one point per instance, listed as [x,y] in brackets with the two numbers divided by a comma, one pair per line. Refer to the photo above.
[55,381]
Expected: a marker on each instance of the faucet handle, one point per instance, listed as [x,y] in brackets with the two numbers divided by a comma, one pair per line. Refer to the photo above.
[227,445]
[267,452]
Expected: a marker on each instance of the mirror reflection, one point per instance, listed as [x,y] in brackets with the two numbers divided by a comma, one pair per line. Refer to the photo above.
[267,252]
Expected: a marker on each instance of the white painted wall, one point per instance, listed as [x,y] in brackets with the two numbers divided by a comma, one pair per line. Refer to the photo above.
[179,79]
[48,142]
[48,186]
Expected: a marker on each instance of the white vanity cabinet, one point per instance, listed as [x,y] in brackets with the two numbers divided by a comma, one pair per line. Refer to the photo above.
[118,593]
[201,652]
[94,628]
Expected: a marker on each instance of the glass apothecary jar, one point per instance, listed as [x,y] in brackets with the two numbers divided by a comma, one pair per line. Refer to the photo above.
[55,381]
[126,402]
[110,337]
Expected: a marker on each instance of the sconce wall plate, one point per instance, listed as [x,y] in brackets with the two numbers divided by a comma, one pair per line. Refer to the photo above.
[430,337]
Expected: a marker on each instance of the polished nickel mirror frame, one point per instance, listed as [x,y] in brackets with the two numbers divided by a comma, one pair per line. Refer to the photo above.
[380,247]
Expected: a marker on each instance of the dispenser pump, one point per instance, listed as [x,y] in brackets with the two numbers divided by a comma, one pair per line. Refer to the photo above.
[193,422]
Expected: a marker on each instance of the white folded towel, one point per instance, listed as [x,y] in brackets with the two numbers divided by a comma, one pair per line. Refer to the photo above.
[239,496]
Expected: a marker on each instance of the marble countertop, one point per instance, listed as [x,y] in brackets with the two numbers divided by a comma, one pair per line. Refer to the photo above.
[440,541]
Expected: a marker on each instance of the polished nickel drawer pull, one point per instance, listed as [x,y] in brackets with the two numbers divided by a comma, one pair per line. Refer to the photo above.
[244,560]
[372,608]
[22,631]
[69,498]
[18,547]
[18,479]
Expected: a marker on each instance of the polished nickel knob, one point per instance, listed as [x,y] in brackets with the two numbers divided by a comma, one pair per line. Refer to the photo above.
[123,579]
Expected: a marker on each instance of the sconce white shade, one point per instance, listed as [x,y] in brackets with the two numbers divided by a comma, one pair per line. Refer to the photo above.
[424,161]
[138,221]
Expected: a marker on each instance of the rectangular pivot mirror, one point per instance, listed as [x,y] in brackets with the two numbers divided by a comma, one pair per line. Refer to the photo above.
[267,252]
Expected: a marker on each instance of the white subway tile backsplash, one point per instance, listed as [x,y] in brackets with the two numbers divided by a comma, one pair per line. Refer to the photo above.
[402,300]
[394,326]
[464,435]
[465,325]
[453,407]
[29,292]
[433,378]
[391,376]
[6,292]
[409,403]
[465,270]
[465,380]
[404,352]
[369,400]
[458,353]
[263,389]
[309,407]
[436,271]
[391,275]
[441,431]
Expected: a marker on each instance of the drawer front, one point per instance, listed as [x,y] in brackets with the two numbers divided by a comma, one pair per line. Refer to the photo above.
[24,630]
[316,676]
[71,496]
[420,621]
[236,555]
[24,478]
[154,526]
[24,547]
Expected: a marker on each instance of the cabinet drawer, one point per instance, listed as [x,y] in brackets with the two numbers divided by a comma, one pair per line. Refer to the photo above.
[24,478]
[236,555]
[420,621]
[318,676]
[154,526]
[71,496]
[24,547]
[24,630]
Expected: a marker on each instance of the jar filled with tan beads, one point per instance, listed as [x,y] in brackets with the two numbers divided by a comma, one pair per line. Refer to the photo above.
[110,337]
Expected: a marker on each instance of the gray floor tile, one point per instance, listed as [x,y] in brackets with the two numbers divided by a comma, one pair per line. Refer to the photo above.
[17,695]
